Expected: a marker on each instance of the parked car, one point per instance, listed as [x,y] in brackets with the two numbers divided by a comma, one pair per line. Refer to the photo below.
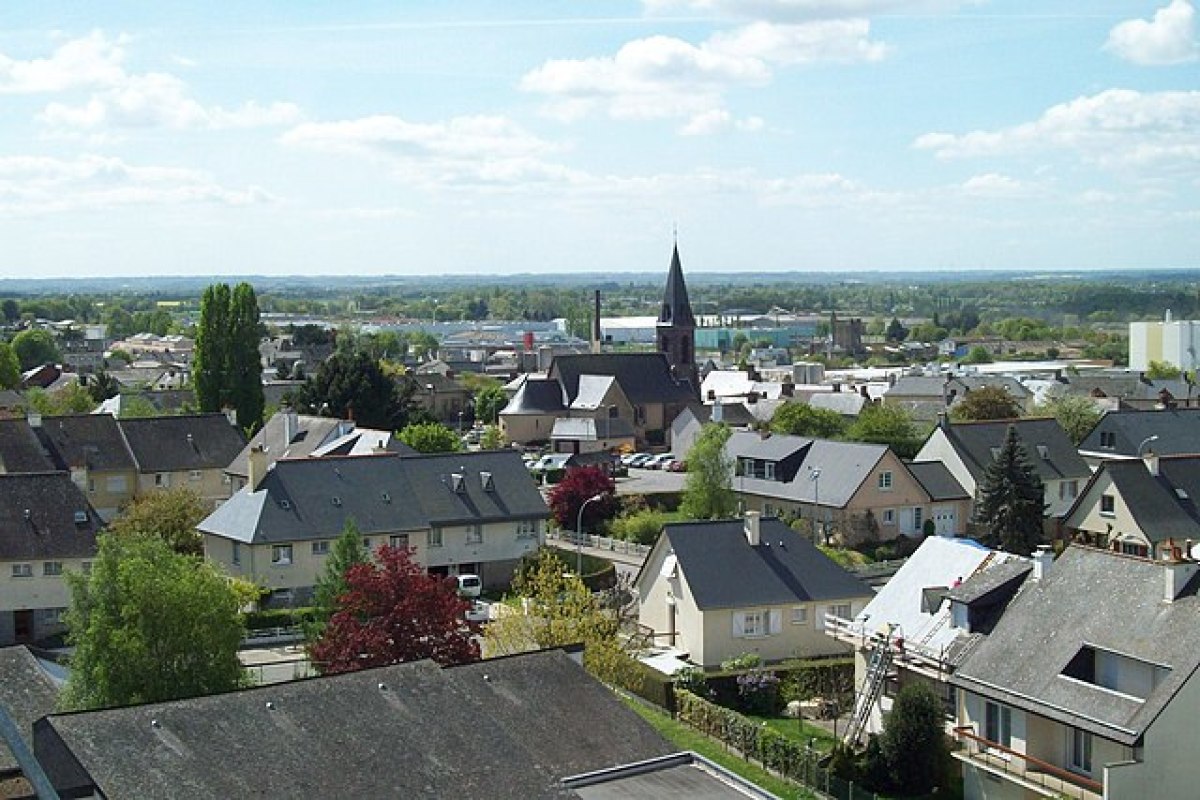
[676,466]
[628,457]
[640,459]
[470,585]
[660,461]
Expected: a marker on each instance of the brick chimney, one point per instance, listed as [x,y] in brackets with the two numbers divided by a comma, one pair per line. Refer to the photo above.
[753,534]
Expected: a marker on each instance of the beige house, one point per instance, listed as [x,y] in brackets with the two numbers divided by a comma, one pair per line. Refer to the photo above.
[1087,687]
[93,450]
[459,513]
[716,590]
[190,450]
[847,490]
[47,528]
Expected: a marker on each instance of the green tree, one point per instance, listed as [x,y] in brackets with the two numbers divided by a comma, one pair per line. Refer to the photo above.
[209,358]
[1011,498]
[35,347]
[11,310]
[1162,371]
[226,366]
[170,514]
[913,744]
[10,367]
[70,399]
[886,424]
[102,386]
[430,437]
[977,355]
[135,406]
[708,490]
[986,403]
[801,419]
[1075,413]
[896,332]
[489,401]
[346,551]
[492,438]
[355,386]
[149,624]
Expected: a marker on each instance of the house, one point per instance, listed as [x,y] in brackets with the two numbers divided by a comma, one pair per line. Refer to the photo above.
[686,427]
[46,528]
[853,490]
[912,616]
[459,513]
[93,450]
[26,694]
[445,398]
[288,434]
[20,450]
[1133,506]
[588,435]
[1130,390]
[530,414]
[718,589]
[526,726]
[927,396]
[1130,434]
[1087,686]
[189,450]
[966,448]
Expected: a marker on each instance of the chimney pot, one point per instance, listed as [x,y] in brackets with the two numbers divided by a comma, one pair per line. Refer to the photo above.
[752,528]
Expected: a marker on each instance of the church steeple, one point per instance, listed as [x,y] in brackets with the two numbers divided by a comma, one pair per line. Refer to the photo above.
[677,325]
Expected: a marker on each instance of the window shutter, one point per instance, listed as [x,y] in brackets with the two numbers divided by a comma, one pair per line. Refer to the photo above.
[775,621]
[739,624]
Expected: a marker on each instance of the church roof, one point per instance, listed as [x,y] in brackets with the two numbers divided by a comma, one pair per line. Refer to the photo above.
[676,309]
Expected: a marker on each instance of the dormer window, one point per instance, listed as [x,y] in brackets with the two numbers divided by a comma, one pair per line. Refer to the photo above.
[458,483]
[1108,440]
[1043,452]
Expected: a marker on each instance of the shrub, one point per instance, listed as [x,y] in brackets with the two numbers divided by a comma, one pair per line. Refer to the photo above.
[691,679]
[744,661]
[758,691]
[642,527]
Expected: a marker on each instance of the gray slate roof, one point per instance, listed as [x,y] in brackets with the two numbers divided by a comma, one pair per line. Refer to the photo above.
[975,441]
[94,441]
[980,585]
[26,693]
[174,444]
[20,450]
[50,530]
[723,570]
[643,377]
[1178,432]
[537,396]
[844,466]
[312,498]
[1164,506]
[1097,598]
[1130,386]
[506,728]
[676,308]
[310,433]
[937,480]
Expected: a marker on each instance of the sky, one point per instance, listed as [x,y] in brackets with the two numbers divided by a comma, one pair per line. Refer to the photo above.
[144,138]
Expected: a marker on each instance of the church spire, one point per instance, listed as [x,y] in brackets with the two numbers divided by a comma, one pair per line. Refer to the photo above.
[676,308]
[677,326]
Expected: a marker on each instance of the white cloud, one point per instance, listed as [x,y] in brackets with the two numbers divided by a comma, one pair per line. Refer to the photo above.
[804,10]
[1169,38]
[477,150]
[995,185]
[94,60]
[40,185]
[1115,128]
[663,77]
[718,120]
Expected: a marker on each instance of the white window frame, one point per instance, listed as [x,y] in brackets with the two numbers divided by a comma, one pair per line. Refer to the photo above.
[320,548]
[195,475]
[434,537]
[799,615]
[282,555]
[527,529]
[753,624]
[1111,501]
[52,569]
[22,570]
[398,541]
[769,471]
[885,481]
[474,534]
[162,480]
[889,516]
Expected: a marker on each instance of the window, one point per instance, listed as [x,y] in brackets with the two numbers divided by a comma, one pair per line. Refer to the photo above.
[1108,440]
[889,516]
[1134,549]
[195,475]
[86,567]
[366,543]
[399,541]
[885,481]
[22,570]
[769,470]
[115,484]
[751,624]
[281,555]
[1108,505]
[475,534]
[162,480]
[527,529]
[1081,750]
[918,513]
[237,553]
[841,611]
[997,722]
[1067,490]
[799,615]
[434,537]
[91,485]
[320,548]
[51,569]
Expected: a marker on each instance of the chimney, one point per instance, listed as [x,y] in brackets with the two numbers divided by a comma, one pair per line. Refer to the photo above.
[752,397]
[256,466]
[1151,461]
[753,535]
[291,424]
[943,421]
[1176,574]
[35,419]
[1042,559]
[596,324]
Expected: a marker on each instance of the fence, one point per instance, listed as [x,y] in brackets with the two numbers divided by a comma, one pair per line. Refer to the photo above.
[600,543]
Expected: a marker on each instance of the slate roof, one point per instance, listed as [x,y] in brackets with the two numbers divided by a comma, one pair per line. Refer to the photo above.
[848,404]
[537,396]
[937,481]
[505,728]
[311,498]
[174,444]
[643,377]
[1178,432]
[844,466]
[94,441]
[589,429]
[310,433]
[981,585]
[26,693]
[931,387]
[50,531]
[723,570]
[676,308]
[1164,506]
[20,450]
[974,441]
[1131,386]
[1097,598]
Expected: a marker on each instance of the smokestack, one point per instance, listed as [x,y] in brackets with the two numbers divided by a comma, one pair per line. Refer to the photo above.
[596,324]
[256,467]
[753,534]
[527,341]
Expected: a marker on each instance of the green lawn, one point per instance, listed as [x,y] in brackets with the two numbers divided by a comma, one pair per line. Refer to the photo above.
[799,732]
[685,738]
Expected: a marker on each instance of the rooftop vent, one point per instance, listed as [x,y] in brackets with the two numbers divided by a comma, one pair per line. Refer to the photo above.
[81,517]
[337,501]
[458,483]
[286,505]
[387,498]
[1043,452]
[489,483]
[28,514]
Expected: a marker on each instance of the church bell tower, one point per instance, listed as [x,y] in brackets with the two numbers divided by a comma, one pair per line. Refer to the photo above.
[677,326]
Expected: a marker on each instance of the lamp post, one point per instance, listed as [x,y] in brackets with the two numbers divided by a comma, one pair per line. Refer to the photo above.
[1146,441]
[814,475]
[579,534]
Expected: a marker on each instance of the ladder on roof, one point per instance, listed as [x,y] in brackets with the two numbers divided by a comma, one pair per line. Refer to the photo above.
[878,668]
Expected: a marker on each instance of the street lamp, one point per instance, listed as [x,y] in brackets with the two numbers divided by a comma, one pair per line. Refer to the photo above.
[579,534]
[814,475]
[1146,441]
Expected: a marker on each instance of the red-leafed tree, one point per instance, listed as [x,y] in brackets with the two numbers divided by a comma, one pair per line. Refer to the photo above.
[576,487]
[392,612]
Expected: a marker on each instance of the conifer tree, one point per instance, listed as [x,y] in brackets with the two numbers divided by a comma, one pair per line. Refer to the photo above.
[1011,498]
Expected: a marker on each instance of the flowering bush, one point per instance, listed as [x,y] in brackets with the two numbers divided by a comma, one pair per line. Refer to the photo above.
[758,691]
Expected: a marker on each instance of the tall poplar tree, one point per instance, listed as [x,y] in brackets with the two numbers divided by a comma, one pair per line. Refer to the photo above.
[227,370]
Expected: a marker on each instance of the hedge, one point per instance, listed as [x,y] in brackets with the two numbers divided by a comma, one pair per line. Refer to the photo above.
[774,750]
[278,618]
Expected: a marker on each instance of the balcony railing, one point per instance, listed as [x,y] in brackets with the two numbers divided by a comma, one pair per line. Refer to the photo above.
[998,759]
[912,655]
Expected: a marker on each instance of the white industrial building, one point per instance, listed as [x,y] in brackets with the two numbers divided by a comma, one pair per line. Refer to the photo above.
[1174,342]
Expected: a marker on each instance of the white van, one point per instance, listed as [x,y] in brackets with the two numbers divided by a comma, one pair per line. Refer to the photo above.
[470,585]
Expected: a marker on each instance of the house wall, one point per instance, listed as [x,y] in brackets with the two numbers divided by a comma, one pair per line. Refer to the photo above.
[904,495]
[106,491]
[795,640]
[938,448]
[1088,517]
[43,594]
[210,484]
[526,428]
[1168,756]
[654,610]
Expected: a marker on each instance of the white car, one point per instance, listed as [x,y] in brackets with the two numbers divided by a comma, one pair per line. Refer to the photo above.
[659,461]
[470,585]
[479,612]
